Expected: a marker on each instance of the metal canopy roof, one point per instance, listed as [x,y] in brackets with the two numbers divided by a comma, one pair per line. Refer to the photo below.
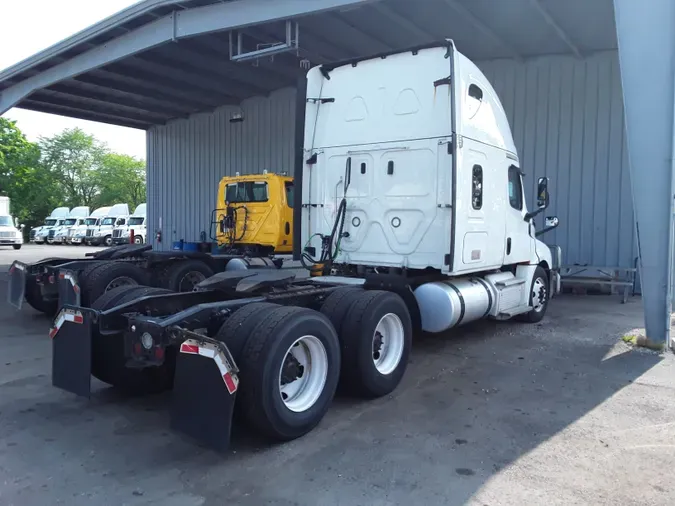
[165,59]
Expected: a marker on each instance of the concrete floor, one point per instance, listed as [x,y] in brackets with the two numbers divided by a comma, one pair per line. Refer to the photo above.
[559,413]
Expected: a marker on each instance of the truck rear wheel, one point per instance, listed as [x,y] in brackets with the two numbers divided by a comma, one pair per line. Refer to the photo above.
[539,297]
[238,327]
[183,276]
[35,299]
[337,304]
[376,339]
[290,368]
[109,359]
[109,275]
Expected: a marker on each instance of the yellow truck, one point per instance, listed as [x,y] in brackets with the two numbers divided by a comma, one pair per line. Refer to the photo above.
[254,214]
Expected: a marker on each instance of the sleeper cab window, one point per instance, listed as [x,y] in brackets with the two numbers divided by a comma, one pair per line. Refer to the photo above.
[515,188]
[474,99]
[477,187]
[290,194]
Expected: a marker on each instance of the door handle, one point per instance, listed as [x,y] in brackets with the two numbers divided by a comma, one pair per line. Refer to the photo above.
[508,245]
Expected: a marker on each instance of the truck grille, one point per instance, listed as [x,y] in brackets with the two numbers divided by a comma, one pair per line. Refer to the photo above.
[32,234]
[6,234]
[90,233]
[51,233]
[117,233]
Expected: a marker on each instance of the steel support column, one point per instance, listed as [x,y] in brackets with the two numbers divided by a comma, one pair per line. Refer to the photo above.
[646,37]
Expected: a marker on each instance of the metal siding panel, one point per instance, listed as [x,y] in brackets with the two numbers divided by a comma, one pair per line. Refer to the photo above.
[188,157]
[568,124]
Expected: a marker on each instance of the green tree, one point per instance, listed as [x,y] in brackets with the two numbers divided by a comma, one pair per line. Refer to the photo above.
[31,187]
[73,157]
[121,178]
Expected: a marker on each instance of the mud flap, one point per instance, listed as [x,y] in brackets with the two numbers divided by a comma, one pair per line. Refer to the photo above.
[69,289]
[71,350]
[16,289]
[204,392]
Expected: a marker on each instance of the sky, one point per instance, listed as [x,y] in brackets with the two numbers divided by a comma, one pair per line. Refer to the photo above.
[29,26]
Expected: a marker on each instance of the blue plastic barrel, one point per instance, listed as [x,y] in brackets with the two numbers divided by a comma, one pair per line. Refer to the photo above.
[191,246]
[178,245]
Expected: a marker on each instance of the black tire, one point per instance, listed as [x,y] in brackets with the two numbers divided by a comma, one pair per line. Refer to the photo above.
[359,373]
[107,241]
[104,276]
[138,239]
[16,246]
[238,327]
[535,316]
[337,304]
[109,356]
[175,275]
[34,298]
[261,361]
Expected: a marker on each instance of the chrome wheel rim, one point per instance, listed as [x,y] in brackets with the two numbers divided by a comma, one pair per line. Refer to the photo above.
[388,343]
[121,281]
[303,374]
[539,295]
[190,280]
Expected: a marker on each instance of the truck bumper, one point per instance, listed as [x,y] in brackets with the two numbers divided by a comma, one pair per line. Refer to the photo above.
[10,242]
[120,240]
[95,241]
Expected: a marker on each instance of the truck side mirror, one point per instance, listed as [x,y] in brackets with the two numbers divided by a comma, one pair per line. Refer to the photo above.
[542,193]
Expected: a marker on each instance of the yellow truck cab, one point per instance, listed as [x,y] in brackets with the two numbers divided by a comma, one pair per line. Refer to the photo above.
[255,213]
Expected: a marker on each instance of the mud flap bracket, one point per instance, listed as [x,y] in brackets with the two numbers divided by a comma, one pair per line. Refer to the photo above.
[71,345]
[204,392]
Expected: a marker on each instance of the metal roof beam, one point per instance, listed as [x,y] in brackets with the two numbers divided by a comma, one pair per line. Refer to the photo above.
[75,89]
[36,105]
[187,23]
[57,98]
[404,22]
[486,30]
[556,27]
[136,87]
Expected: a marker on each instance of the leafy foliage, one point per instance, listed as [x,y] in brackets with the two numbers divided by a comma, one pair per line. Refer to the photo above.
[69,169]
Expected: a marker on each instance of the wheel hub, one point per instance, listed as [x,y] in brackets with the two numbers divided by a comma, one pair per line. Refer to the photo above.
[303,373]
[291,370]
[539,294]
[388,343]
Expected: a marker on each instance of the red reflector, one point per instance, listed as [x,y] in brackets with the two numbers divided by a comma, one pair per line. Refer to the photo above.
[229,383]
[12,269]
[137,349]
[76,288]
[62,275]
[159,353]
[52,332]
[189,348]
[78,318]
[51,280]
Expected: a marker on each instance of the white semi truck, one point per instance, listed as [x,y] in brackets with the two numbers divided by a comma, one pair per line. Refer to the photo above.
[78,233]
[102,234]
[59,235]
[11,232]
[135,224]
[413,217]
[36,234]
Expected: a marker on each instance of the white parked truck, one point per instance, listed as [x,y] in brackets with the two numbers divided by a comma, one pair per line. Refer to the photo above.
[79,233]
[36,233]
[11,232]
[117,215]
[60,235]
[135,224]
[412,216]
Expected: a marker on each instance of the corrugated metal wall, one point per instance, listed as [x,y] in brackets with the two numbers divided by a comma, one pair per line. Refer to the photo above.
[567,119]
[187,158]
[568,124]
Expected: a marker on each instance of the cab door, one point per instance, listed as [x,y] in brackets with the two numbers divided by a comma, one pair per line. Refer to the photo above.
[518,243]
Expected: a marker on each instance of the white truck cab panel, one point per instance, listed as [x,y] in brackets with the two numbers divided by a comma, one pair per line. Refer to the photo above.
[410,164]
